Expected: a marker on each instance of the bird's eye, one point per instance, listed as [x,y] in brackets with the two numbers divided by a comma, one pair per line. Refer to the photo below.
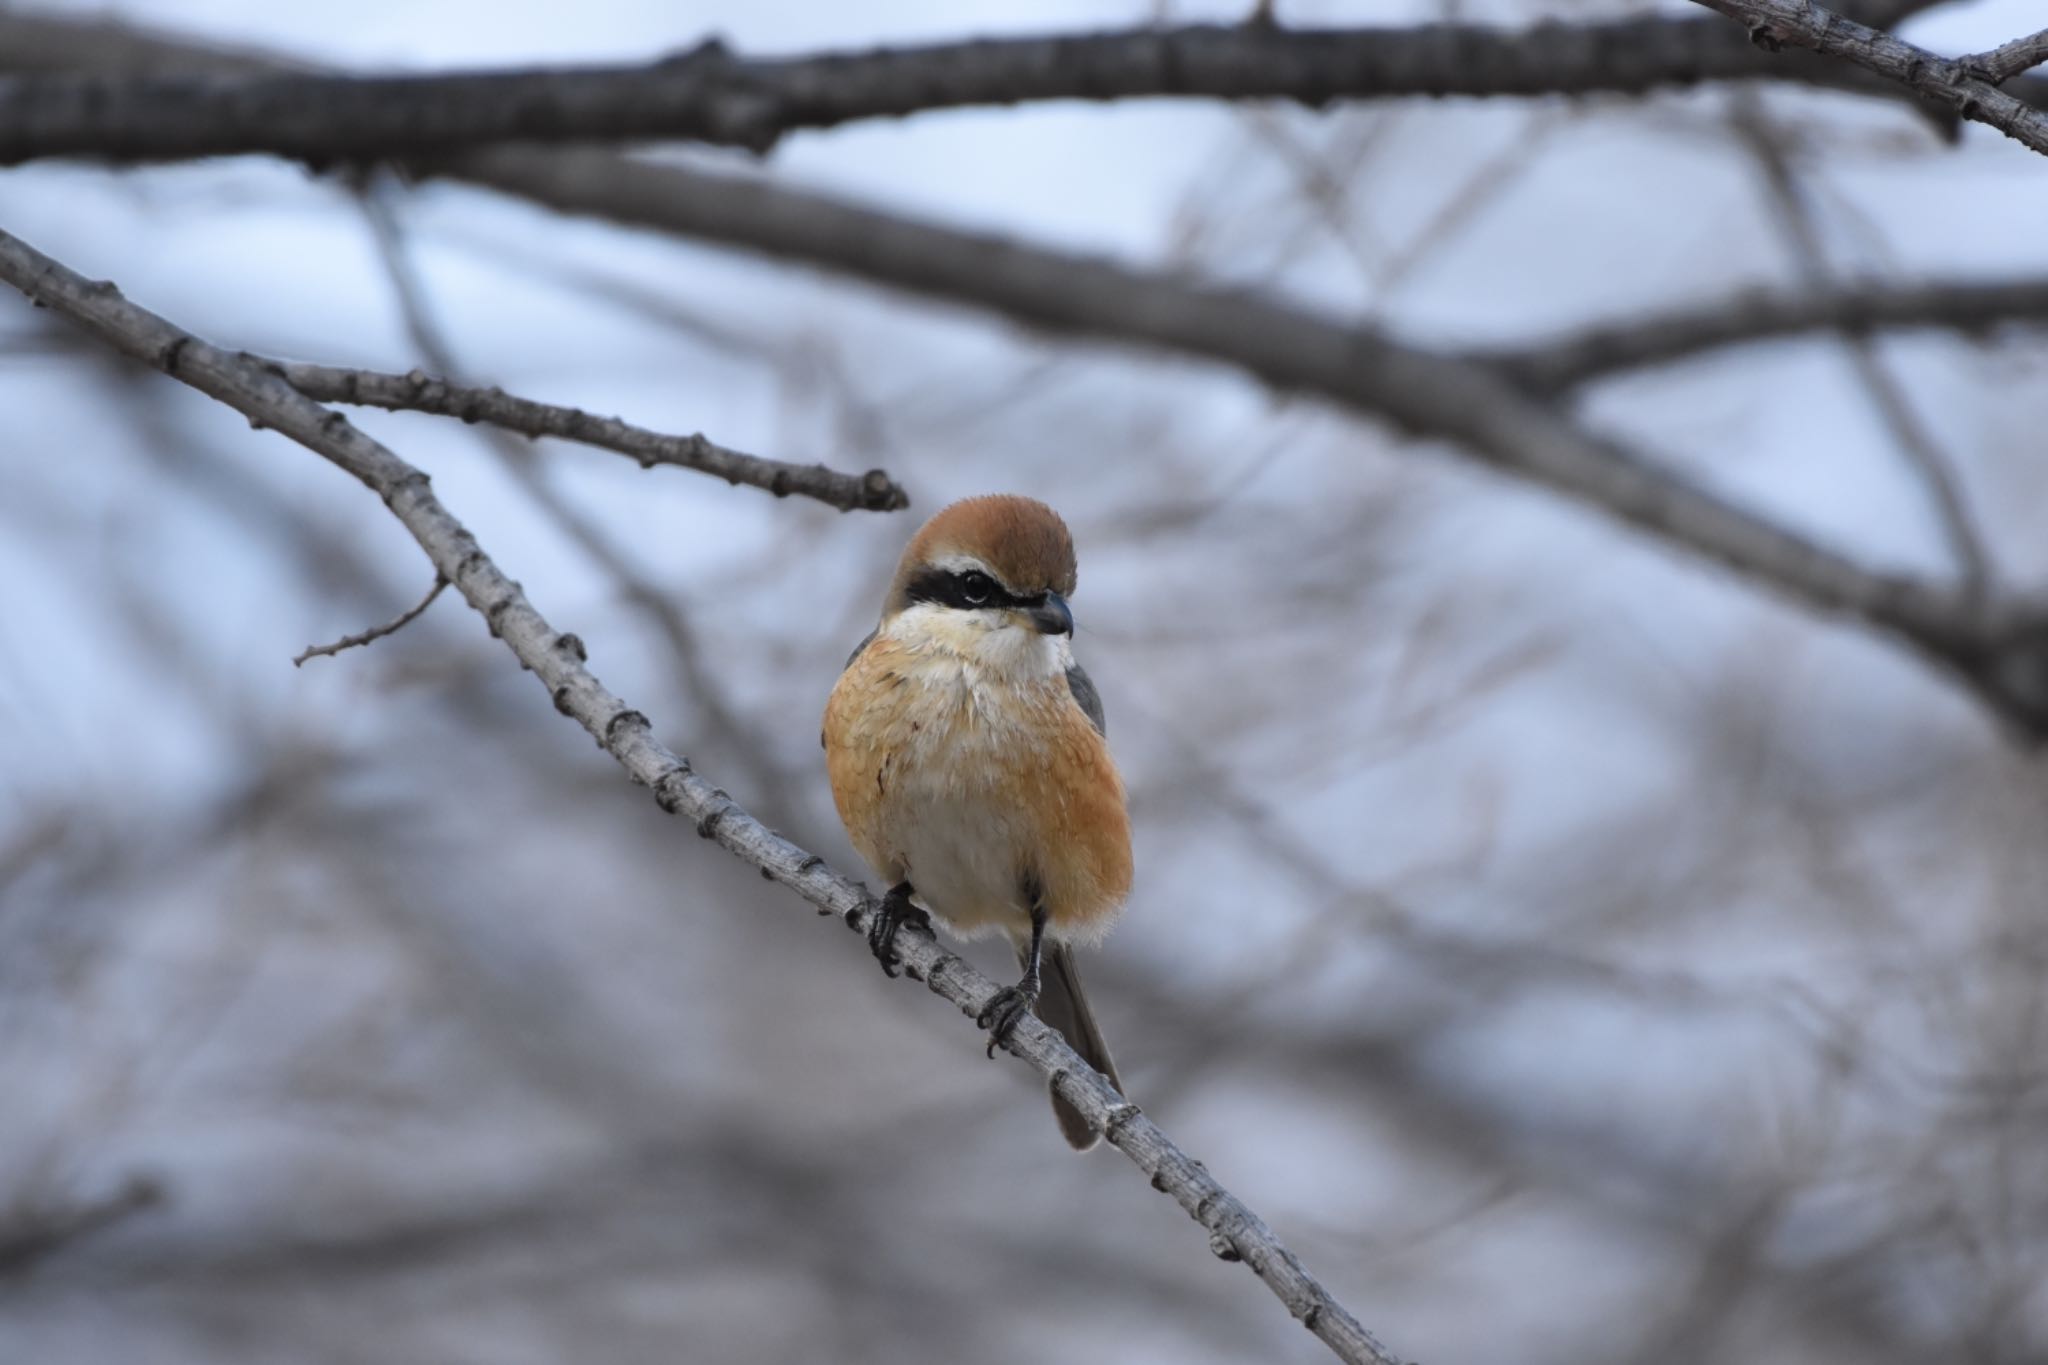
[976,587]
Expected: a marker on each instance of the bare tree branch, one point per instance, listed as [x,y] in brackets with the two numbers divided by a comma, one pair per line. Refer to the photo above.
[2001,651]
[557,660]
[1954,84]
[873,491]
[706,690]
[2007,60]
[1570,359]
[1930,463]
[711,95]
[374,633]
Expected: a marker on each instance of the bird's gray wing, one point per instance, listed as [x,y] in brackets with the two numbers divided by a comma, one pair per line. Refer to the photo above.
[1083,688]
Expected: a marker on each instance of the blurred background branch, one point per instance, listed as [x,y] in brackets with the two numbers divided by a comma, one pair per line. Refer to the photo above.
[1856,308]
[31,1234]
[1998,649]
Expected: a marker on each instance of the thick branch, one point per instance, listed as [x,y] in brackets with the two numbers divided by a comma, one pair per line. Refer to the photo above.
[1954,84]
[557,660]
[1574,358]
[1430,393]
[712,95]
[1422,391]
[419,392]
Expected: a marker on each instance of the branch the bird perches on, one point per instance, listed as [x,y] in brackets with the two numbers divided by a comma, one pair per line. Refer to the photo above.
[558,660]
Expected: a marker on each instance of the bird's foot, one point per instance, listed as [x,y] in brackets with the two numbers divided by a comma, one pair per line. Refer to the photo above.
[896,912]
[1005,1008]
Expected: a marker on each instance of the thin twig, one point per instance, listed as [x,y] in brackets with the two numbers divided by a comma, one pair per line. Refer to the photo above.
[1930,463]
[1487,184]
[2007,60]
[712,95]
[1953,83]
[418,391]
[375,632]
[557,660]
[716,713]
[873,491]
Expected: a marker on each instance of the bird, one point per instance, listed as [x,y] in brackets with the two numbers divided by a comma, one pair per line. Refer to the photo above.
[970,764]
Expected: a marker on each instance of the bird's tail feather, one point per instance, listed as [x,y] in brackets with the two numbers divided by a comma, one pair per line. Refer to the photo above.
[1062,1006]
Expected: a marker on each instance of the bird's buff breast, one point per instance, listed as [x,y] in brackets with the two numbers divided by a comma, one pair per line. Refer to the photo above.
[971,785]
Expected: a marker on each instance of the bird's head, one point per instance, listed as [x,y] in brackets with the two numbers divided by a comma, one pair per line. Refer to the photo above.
[988,575]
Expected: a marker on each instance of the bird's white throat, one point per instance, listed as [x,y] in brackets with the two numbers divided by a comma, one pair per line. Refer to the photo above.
[989,642]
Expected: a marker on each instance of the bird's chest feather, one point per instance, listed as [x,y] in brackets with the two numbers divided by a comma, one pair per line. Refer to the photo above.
[954,730]
[956,774]
[939,733]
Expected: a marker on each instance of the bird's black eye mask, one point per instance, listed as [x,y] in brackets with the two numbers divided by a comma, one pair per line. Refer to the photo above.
[967,589]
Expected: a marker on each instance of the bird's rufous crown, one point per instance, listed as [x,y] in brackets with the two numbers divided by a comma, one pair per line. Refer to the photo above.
[1021,541]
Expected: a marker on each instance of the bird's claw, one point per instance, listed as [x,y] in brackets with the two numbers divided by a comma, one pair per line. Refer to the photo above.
[895,913]
[1004,1010]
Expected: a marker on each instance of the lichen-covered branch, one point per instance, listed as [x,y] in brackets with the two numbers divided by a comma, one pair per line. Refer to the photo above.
[558,661]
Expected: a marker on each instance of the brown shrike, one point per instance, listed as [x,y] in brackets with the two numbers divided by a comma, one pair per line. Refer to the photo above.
[968,762]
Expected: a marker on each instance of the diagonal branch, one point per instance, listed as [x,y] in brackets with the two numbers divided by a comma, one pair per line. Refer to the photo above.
[874,491]
[707,692]
[710,94]
[557,660]
[1957,84]
[2001,653]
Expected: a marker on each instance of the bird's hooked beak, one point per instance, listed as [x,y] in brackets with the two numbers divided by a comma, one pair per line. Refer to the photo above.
[1051,617]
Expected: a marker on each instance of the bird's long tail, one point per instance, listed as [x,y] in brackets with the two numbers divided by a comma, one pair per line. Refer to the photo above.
[1062,1006]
